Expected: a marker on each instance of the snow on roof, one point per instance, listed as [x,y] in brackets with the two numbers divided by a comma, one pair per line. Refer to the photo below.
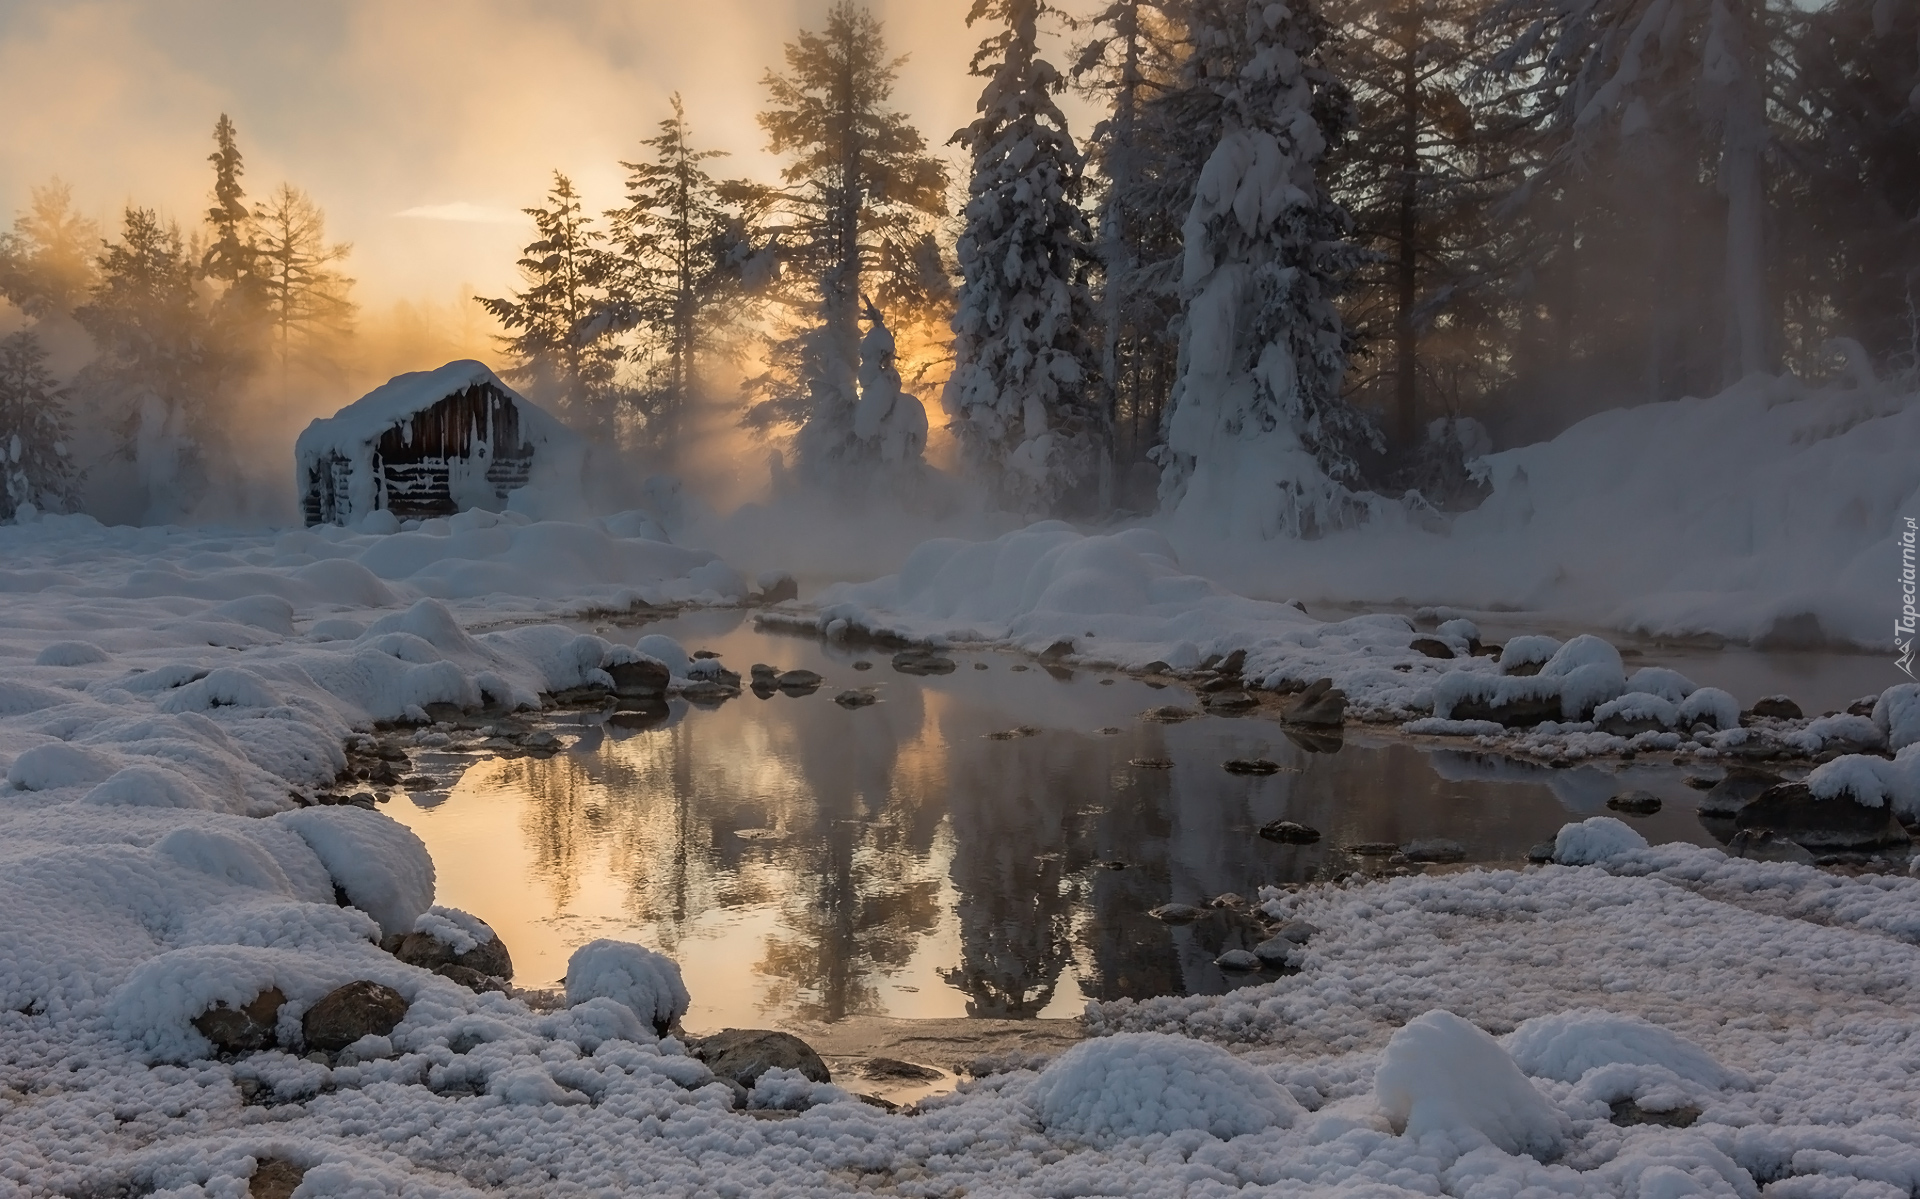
[362,422]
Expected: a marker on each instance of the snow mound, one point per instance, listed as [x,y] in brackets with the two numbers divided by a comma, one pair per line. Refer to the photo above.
[1441,1075]
[648,983]
[1531,650]
[1565,1046]
[666,651]
[147,787]
[1639,705]
[71,653]
[58,764]
[1669,685]
[381,866]
[1594,841]
[224,855]
[1139,1084]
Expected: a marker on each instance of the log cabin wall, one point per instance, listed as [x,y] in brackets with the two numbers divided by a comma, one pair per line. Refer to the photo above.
[412,461]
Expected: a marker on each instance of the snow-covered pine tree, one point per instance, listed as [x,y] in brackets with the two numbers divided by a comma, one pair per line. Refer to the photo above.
[1259,442]
[887,419]
[1678,93]
[1024,395]
[1143,170]
[561,358]
[862,193]
[36,457]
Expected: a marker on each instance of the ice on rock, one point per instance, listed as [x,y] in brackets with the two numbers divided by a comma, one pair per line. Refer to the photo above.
[379,863]
[1441,1075]
[1712,706]
[1138,1084]
[1565,1046]
[1595,841]
[648,983]
[57,764]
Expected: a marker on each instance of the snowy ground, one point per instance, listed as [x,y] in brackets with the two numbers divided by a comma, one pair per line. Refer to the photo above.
[168,699]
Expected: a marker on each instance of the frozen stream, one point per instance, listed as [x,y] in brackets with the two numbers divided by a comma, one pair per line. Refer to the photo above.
[806,861]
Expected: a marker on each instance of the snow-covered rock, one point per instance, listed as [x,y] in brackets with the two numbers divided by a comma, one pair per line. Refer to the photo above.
[648,983]
[1138,1084]
[1442,1076]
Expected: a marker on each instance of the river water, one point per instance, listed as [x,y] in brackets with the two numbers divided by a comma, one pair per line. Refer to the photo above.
[980,843]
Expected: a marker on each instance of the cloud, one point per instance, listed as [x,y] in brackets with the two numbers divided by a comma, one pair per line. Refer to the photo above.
[462,211]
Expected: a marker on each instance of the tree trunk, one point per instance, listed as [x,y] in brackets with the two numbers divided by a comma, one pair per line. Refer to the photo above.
[1406,375]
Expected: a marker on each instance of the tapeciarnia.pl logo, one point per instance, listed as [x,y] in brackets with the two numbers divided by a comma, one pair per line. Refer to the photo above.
[1903,628]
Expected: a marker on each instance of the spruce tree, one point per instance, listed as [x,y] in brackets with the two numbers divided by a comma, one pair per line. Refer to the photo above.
[1024,394]
[36,457]
[676,250]
[47,262]
[1143,171]
[562,354]
[862,192]
[303,297]
[230,252]
[1259,436]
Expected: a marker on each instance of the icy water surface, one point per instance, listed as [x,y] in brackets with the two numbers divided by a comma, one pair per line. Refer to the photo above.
[803,860]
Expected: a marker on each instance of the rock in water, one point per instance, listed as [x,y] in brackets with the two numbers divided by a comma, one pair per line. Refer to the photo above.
[345,1014]
[855,699]
[1177,913]
[1321,705]
[1250,766]
[1635,803]
[1229,701]
[430,953]
[639,680]
[1237,959]
[1433,849]
[1777,707]
[1288,832]
[1791,811]
[799,680]
[1278,952]
[894,1068]
[1741,786]
[922,662]
[744,1054]
[243,1029]
[472,980]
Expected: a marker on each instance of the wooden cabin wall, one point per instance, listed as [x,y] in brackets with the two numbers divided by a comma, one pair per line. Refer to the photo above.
[412,460]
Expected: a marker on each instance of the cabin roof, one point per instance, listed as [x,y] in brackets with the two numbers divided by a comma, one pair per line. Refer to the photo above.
[361,423]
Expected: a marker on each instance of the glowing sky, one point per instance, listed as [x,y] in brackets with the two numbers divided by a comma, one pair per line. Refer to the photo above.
[421,128]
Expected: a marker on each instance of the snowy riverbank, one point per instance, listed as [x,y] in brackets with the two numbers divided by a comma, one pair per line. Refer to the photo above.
[168,699]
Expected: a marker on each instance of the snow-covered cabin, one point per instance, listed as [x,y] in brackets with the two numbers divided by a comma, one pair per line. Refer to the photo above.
[426,444]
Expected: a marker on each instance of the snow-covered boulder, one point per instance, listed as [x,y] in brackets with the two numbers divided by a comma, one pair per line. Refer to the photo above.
[1897,713]
[1441,1075]
[648,983]
[380,864]
[1565,1046]
[1595,841]
[1138,1084]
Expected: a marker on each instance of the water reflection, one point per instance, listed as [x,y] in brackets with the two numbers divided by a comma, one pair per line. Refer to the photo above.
[803,860]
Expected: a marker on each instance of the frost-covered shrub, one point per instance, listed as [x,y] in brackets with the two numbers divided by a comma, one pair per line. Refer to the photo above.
[1566,1045]
[1441,1074]
[1712,706]
[1137,1084]
[647,982]
[379,863]
[1595,840]
[1897,713]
